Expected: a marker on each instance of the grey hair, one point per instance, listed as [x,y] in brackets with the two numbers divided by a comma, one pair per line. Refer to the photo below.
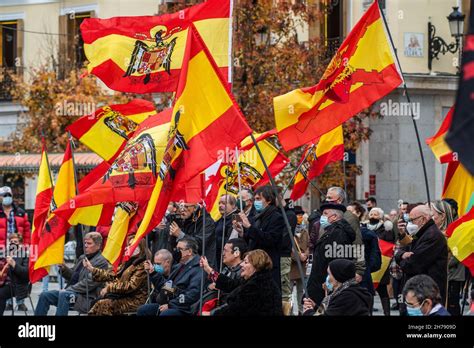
[166,255]
[337,212]
[250,193]
[424,288]
[340,192]
[380,211]
[191,243]
[95,236]
[230,199]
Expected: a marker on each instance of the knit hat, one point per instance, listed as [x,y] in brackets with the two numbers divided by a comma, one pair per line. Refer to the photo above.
[342,270]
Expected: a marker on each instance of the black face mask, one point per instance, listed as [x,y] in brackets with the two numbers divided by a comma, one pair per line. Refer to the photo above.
[177,256]
[374,221]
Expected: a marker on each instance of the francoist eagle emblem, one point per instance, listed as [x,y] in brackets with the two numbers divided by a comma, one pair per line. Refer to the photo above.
[146,58]
[117,122]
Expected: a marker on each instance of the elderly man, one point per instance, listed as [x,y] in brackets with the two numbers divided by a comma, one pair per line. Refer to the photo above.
[428,252]
[247,199]
[80,287]
[422,297]
[337,195]
[191,226]
[335,243]
[228,210]
[181,289]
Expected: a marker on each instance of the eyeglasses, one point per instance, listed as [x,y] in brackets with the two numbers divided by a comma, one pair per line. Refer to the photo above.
[182,249]
[413,305]
[411,220]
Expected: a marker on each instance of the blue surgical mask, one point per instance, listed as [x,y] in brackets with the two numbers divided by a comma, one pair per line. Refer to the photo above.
[406,217]
[328,284]
[414,312]
[324,221]
[7,200]
[258,205]
[158,268]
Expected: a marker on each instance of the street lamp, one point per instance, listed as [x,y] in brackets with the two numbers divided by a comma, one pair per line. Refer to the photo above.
[437,45]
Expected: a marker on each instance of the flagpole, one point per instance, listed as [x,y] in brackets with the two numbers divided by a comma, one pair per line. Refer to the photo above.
[203,240]
[79,226]
[409,106]
[298,169]
[237,161]
[223,227]
[344,173]
[313,185]
[283,213]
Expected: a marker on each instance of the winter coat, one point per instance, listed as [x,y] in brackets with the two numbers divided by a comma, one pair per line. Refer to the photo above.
[266,233]
[257,296]
[22,225]
[127,288]
[85,283]
[19,278]
[339,233]
[430,256]
[390,237]
[456,270]
[353,220]
[373,257]
[286,245]
[302,238]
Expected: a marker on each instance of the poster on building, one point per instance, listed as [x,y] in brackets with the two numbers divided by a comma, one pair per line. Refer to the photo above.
[413,44]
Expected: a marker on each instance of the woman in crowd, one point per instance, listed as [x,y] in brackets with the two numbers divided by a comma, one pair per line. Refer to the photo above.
[386,233]
[126,288]
[255,293]
[344,295]
[443,215]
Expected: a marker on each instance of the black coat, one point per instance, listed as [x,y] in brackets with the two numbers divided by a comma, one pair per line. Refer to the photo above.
[373,257]
[340,233]
[388,236]
[192,227]
[219,226]
[287,247]
[19,277]
[430,256]
[266,233]
[353,301]
[257,296]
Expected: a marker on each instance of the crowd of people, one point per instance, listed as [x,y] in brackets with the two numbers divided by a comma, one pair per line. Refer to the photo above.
[260,255]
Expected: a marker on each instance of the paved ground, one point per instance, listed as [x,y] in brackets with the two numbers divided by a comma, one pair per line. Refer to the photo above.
[37,288]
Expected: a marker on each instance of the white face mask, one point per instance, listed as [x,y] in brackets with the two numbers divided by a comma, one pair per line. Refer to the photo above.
[412,229]
[136,251]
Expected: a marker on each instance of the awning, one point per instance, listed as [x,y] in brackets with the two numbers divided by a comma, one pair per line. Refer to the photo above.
[29,163]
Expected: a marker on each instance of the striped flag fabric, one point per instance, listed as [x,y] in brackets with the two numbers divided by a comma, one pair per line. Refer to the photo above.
[386,249]
[460,235]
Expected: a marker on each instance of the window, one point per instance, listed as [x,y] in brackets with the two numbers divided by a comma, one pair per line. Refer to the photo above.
[11,38]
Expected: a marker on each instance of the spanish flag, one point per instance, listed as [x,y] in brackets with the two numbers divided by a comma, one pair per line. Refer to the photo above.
[363,71]
[459,185]
[44,195]
[145,54]
[131,177]
[206,118]
[460,235]
[116,239]
[107,130]
[252,172]
[438,145]
[51,239]
[386,249]
[330,148]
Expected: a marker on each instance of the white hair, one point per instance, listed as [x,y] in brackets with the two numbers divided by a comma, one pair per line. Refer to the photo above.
[379,211]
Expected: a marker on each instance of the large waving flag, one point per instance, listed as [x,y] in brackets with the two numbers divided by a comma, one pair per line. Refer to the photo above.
[145,54]
[51,239]
[459,185]
[330,148]
[206,119]
[363,71]
[107,130]
[252,172]
[386,249]
[460,136]
[460,235]
[437,143]
[44,195]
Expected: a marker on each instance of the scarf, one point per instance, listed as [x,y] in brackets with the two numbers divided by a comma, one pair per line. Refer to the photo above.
[327,300]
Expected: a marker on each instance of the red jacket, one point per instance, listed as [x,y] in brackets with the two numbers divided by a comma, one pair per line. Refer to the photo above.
[22,224]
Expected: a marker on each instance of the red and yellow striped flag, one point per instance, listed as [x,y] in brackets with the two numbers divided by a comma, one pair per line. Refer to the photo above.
[107,130]
[460,235]
[145,54]
[386,249]
[330,148]
[206,119]
[438,145]
[51,239]
[44,195]
[459,185]
[252,172]
[363,71]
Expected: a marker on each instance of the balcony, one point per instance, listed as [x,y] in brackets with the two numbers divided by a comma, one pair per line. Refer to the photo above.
[6,84]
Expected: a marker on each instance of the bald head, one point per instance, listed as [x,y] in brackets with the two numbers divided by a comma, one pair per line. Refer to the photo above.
[420,215]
